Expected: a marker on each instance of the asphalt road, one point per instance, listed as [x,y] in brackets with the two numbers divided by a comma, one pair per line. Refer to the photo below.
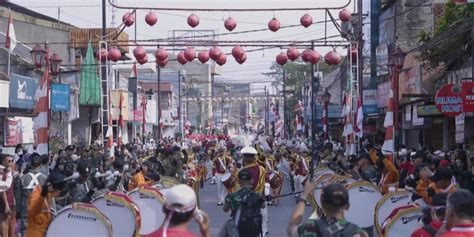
[278,216]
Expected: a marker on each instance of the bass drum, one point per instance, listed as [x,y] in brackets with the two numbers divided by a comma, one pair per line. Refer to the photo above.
[165,182]
[150,203]
[79,220]
[122,213]
[402,221]
[388,203]
[321,181]
[363,196]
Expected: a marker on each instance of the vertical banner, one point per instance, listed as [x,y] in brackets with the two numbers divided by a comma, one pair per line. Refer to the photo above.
[60,95]
[468,96]
[5,89]
[74,110]
[14,132]
[459,122]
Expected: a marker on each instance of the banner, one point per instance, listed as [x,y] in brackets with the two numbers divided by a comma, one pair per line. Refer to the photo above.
[60,97]
[5,90]
[22,91]
[468,96]
[74,111]
[459,122]
[383,91]
[369,100]
[115,99]
[448,100]
[18,130]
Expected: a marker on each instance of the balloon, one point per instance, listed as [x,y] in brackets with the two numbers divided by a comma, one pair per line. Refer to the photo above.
[203,56]
[281,59]
[114,54]
[193,20]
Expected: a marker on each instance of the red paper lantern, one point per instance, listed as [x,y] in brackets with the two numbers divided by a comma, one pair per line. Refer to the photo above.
[305,55]
[345,15]
[193,20]
[332,58]
[128,19]
[190,54]
[181,58]
[230,24]
[222,59]
[281,59]
[139,53]
[215,52]
[151,19]
[143,60]
[306,20]
[161,54]
[314,57]
[114,54]
[292,53]
[274,24]
[203,56]
[242,59]
[162,63]
[102,55]
[238,52]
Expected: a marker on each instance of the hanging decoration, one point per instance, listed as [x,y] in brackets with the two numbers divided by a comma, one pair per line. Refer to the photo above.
[306,20]
[332,58]
[151,19]
[102,55]
[128,19]
[314,57]
[114,54]
[345,15]
[305,55]
[161,54]
[162,63]
[143,60]
[230,23]
[282,58]
[139,53]
[222,59]
[181,58]
[193,20]
[215,53]
[274,24]
[242,59]
[203,56]
[292,53]
[190,54]
[238,52]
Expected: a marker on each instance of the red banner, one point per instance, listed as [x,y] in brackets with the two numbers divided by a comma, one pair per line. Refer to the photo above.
[14,133]
[468,96]
[449,101]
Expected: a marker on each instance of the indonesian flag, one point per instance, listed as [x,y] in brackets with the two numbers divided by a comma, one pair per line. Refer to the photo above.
[120,122]
[388,145]
[10,41]
[133,73]
[346,114]
[325,120]
[110,134]
[170,103]
[41,108]
[359,118]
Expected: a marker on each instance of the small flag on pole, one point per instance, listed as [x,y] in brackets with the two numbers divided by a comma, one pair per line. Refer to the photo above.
[10,42]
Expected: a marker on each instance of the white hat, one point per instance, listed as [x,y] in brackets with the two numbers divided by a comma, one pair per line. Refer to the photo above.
[180,198]
[248,150]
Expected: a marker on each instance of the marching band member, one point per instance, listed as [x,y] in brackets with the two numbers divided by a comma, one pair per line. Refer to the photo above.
[301,171]
[40,205]
[221,165]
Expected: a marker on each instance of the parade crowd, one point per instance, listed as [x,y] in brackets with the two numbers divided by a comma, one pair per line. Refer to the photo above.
[249,178]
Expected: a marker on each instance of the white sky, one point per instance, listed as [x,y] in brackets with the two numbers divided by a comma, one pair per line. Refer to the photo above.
[87,13]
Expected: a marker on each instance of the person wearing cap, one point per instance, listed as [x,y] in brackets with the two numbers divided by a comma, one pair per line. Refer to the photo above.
[81,189]
[433,217]
[40,205]
[335,201]
[459,215]
[221,165]
[442,182]
[245,194]
[364,169]
[180,208]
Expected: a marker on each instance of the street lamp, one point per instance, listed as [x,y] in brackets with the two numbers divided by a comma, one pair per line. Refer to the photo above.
[38,54]
[326,99]
[55,61]
[396,64]
[398,57]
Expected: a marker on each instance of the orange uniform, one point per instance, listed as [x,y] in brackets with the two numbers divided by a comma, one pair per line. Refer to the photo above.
[137,180]
[39,214]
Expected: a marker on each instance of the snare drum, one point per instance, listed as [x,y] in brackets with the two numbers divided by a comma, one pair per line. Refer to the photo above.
[122,212]
[79,220]
[402,221]
[276,180]
[363,197]
[388,203]
[150,203]
[229,180]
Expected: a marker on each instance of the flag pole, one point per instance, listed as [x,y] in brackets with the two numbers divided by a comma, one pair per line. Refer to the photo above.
[9,48]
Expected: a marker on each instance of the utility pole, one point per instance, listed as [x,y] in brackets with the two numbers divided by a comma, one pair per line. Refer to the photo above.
[158,92]
[360,63]
[104,80]
[285,112]
[314,91]
[180,110]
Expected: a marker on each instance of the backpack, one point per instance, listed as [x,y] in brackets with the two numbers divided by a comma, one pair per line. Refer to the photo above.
[250,220]
[335,230]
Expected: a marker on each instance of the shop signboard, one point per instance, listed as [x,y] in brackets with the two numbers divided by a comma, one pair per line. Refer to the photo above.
[459,122]
[22,91]
[427,110]
[5,89]
[60,95]
[383,91]
[369,100]
[468,96]
[448,100]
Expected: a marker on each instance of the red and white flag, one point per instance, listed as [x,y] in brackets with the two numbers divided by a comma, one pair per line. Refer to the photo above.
[120,122]
[133,73]
[10,41]
[41,108]
[325,120]
[359,119]
[388,146]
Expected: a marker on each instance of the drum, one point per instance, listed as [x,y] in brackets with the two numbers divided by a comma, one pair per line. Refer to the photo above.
[363,196]
[79,220]
[165,182]
[402,221]
[388,203]
[122,213]
[150,203]
[229,180]
[276,180]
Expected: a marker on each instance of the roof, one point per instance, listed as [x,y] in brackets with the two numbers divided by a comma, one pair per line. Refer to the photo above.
[17,8]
